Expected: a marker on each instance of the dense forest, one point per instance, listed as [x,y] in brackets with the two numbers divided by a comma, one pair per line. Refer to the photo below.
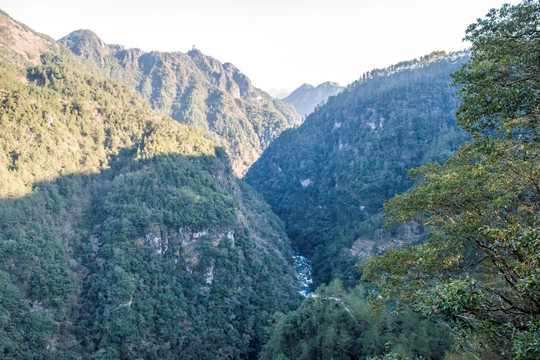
[334,323]
[194,89]
[125,232]
[354,152]
[477,269]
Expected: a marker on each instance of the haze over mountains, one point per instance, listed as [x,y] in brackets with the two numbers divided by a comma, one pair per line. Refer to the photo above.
[278,93]
[307,97]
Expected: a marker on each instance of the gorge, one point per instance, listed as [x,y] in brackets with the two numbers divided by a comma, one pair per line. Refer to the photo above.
[158,205]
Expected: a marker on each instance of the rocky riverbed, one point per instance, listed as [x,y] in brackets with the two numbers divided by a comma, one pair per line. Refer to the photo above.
[303,273]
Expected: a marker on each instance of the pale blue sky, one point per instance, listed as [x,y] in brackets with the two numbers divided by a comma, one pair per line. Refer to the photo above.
[277,43]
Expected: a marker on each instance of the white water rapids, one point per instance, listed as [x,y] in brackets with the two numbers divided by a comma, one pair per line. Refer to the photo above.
[302,269]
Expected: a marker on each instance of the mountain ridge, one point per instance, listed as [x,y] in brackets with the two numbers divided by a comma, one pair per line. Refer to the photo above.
[307,97]
[194,89]
[123,233]
[353,152]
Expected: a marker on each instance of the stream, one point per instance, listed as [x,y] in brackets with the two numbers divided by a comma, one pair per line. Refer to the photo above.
[302,269]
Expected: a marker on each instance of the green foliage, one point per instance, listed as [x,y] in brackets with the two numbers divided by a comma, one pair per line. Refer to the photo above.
[124,234]
[389,356]
[352,153]
[500,83]
[67,121]
[480,266]
[333,325]
[196,90]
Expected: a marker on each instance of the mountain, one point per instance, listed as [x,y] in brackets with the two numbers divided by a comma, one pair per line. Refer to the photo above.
[123,233]
[194,89]
[307,97]
[20,44]
[278,93]
[328,178]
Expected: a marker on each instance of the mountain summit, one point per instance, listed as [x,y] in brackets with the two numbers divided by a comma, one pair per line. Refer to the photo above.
[123,233]
[194,89]
[307,97]
[87,44]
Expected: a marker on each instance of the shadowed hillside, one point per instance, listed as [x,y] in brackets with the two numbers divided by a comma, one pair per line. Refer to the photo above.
[123,233]
[328,178]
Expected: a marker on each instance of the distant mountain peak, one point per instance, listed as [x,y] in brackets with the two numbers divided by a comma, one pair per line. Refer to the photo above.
[86,44]
[329,84]
[307,96]
[278,93]
[305,86]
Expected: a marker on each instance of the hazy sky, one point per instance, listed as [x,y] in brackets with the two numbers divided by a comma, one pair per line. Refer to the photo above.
[277,43]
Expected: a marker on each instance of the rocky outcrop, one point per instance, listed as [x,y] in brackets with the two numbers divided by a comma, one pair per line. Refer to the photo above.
[226,77]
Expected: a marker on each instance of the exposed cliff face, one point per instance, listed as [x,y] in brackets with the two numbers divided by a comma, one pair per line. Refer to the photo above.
[226,76]
[123,233]
[128,58]
[195,89]
[307,97]
[353,153]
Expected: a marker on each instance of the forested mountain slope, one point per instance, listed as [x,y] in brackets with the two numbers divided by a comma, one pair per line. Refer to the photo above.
[194,89]
[327,179]
[123,233]
[479,267]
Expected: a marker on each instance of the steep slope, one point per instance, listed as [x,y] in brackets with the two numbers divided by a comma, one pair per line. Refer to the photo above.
[21,44]
[123,234]
[328,178]
[194,89]
[307,97]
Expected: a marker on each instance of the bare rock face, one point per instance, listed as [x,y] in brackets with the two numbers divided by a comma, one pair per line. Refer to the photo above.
[380,240]
[128,58]
[226,76]
[242,81]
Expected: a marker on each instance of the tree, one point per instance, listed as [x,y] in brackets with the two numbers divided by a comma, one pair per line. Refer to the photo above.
[480,267]
[500,83]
